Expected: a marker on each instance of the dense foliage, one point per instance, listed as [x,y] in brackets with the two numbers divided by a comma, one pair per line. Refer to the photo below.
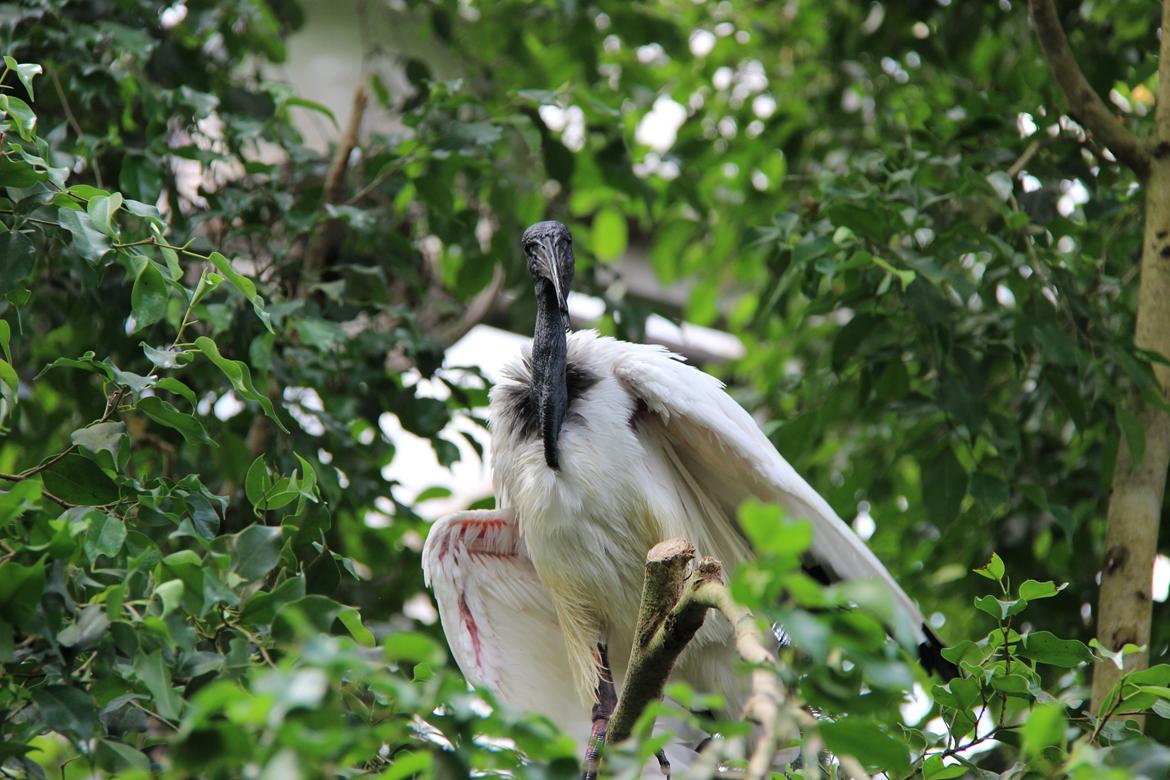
[202,569]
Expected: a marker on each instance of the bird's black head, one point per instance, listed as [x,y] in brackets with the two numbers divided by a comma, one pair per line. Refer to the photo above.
[548,247]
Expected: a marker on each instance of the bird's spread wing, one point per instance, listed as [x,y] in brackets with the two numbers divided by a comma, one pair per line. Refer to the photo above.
[723,450]
[498,618]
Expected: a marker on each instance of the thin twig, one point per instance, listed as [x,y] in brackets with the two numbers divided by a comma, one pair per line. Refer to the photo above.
[256,641]
[380,179]
[72,120]
[1026,157]
[766,703]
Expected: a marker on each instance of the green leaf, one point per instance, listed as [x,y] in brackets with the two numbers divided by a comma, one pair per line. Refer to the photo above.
[610,234]
[944,483]
[352,620]
[89,242]
[312,106]
[865,220]
[256,481]
[257,550]
[101,211]
[310,615]
[865,741]
[994,569]
[8,376]
[413,647]
[26,72]
[166,414]
[141,176]
[1158,674]
[90,626]
[162,358]
[86,362]
[21,114]
[1044,728]
[1046,648]
[20,591]
[771,531]
[172,385]
[244,285]
[124,756]
[105,536]
[1001,183]
[239,376]
[18,258]
[308,486]
[148,298]
[261,609]
[67,710]
[935,769]
[408,764]
[1031,590]
[1000,609]
[101,437]
[171,595]
[152,671]
[22,497]
[76,479]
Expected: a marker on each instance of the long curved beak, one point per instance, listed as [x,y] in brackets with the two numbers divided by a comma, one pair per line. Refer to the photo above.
[549,353]
[554,260]
[562,303]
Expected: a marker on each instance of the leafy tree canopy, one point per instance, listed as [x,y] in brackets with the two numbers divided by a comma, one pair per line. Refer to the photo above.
[930,266]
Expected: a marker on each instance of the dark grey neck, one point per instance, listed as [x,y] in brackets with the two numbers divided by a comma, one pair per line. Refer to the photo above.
[549,386]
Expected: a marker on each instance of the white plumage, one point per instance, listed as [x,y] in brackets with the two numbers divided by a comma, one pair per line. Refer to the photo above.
[650,449]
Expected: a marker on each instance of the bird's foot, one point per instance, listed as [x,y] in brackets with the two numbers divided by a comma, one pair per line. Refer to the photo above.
[602,711]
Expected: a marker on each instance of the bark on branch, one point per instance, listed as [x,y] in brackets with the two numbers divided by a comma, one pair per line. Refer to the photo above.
[1083,101]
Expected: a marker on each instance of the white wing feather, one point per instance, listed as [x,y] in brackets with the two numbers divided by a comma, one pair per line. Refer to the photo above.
[502,629]
[498,618]
[727,452]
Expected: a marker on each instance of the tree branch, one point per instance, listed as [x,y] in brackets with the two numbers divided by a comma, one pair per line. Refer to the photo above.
[666,623]
[767,701]
[673,608]
[328,236]
[1083,101]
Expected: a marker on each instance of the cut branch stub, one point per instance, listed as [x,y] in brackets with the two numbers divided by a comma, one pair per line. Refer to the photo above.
[674,606]
[665,624]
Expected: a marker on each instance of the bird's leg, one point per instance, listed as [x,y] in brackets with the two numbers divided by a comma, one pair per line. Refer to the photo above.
[602,711]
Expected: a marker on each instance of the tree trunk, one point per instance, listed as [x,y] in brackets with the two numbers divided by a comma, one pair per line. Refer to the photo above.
[1124,604]
[1135,506]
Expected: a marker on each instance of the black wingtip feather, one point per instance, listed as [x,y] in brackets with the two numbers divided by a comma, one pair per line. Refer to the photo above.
[930,655]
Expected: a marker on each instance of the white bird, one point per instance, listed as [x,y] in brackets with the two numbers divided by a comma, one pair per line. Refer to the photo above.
[601,449]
